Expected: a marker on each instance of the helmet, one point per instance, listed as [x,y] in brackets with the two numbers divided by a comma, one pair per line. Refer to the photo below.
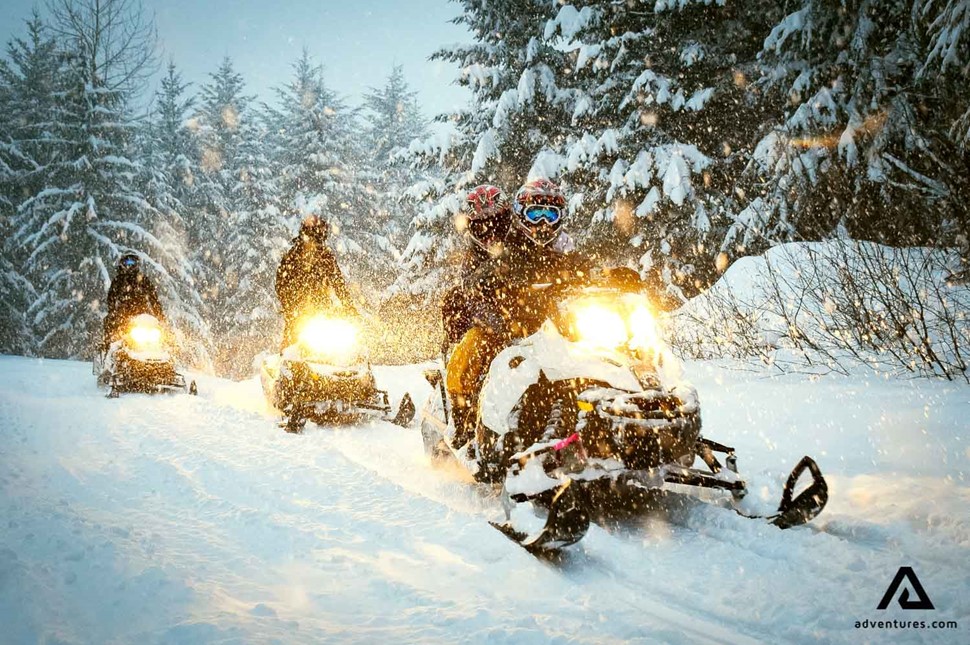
[489,215]
[315,228]
[539,207]
[128,262]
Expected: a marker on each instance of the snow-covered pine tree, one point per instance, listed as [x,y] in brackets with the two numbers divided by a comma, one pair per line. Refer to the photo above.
[27,76]
[255,244]
[862,146]
[394,120]
[88,211]
[238,230]
[946,66]
[517,112]
[16,292]
[167,179]
[321,167]
[661,124]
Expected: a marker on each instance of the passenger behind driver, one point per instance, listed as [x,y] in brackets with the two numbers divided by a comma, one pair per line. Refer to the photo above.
[487,215]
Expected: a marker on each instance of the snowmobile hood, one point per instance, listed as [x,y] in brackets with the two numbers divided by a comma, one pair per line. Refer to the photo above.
[517,367]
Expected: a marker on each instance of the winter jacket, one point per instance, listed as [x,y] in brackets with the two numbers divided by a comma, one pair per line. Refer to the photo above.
[308,278]
[500,294]
[130,294]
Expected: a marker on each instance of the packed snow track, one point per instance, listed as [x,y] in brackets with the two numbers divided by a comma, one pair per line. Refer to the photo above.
[185,519]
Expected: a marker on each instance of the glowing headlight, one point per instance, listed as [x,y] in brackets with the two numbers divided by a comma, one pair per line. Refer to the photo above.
[325,336]
[144,336]
[643,329]
[611,325]
[600,326]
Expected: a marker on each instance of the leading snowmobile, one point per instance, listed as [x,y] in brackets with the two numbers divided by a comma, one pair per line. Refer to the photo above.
[591,412]
[326,377]
[140,361]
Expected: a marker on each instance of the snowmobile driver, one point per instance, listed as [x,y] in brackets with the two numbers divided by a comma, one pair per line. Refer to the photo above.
[131,293]
[499,304]
[309,278]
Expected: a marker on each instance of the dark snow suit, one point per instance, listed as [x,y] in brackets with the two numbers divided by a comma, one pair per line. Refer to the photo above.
[501,305]
[131,293]
[456,305]
[308,278]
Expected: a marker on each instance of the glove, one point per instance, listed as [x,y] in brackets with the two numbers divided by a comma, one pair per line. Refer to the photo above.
[490,320]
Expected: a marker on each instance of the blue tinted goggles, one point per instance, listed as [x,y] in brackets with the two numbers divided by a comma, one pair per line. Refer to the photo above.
[129,262]
[536,214]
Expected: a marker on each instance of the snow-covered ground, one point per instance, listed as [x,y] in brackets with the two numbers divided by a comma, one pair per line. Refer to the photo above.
[183,519]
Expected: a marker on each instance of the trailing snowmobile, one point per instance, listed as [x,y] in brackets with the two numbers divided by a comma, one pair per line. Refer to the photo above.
[140,361]
[589,413]
[325,377]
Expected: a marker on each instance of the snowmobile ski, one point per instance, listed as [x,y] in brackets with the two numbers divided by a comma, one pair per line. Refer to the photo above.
[795,511]
[405,412]
[566,524]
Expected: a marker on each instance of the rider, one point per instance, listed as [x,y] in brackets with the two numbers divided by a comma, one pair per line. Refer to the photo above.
[131,293]
[500,307]
[308,277]
[488,213]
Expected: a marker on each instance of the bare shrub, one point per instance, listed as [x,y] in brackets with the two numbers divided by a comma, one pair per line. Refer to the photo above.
[832,306]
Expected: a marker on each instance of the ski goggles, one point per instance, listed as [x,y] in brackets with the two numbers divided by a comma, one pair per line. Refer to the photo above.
[129,262]
[540,213]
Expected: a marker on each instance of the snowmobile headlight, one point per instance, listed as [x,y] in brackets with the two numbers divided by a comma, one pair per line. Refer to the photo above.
[607,324]
[601,326]
[325,337]
[643,329]
[145,336]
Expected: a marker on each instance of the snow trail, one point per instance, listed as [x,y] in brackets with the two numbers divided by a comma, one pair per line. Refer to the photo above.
[195,519]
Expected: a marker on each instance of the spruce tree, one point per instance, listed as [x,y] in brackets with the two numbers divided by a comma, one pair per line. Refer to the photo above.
[240,233]
[394,120]
[167,179]
[662,124]
[27,76]
[89,211]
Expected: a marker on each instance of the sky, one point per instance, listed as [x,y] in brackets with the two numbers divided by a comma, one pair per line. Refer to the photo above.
[357,41]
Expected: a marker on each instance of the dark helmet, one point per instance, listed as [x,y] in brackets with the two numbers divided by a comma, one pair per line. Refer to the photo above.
[129,263]
[489,214]
[315,228]
[539,208]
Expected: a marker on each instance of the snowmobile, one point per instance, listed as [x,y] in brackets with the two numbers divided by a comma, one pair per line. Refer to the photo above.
[140,361]
[591,413]
[326,377]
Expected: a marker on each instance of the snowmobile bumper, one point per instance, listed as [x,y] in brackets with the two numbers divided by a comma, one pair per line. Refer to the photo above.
[300,384]
[327,394]
[644,430]
[144,375]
